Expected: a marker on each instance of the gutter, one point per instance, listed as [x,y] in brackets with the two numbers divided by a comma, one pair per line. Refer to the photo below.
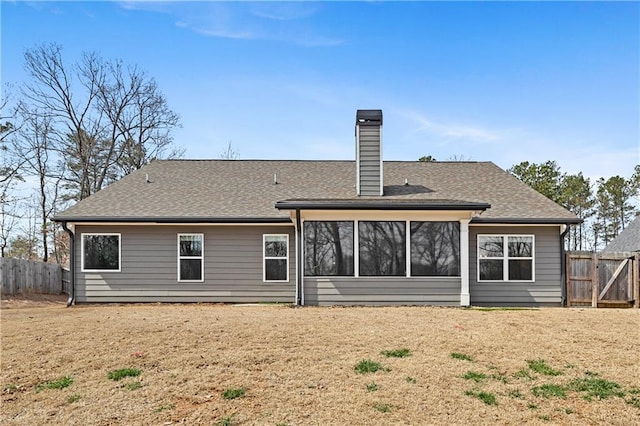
[72,264]
[300,266]
[526,221]
[379,205]
[563,268]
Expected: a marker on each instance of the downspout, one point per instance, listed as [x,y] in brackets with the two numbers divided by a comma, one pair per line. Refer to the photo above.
[563,267]
[300,267]
[72,265]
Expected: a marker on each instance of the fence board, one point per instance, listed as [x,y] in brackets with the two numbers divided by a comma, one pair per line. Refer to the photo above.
[607,279]
[613,278]
[18,276]
[636,280]
[594,281]
[569,289]
[66,280]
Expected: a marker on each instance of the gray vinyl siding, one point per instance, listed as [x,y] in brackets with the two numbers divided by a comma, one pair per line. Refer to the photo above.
[369,154]
[546,290]
[233,266]
[325,291]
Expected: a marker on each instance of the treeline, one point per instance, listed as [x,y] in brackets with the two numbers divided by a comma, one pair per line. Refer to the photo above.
[606,206]
[70,130]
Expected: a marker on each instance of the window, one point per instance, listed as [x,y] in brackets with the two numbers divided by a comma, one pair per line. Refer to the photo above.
[435,249]
[191,257]
[276,257]
[100,252]
[505,257]
[382,248]
[328,248]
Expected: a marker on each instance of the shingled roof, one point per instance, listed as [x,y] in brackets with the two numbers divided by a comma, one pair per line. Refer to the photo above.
[244,191]
[628,240]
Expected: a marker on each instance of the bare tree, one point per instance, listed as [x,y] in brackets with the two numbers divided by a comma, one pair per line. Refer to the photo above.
[459,158]
[60,244]
[52,90]
[8,219]
[24,243]
[229,153]
[109,119]
[139,117]
[7,116]
[9,125]
[35,145]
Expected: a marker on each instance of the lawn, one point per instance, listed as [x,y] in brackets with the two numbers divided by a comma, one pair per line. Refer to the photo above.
[207,364]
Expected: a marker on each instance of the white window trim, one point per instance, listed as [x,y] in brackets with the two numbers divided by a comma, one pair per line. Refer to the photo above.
[265,258]
[117,234]
[201,257]
[505,258]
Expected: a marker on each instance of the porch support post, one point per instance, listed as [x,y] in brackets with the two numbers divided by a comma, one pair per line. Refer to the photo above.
[299,266]
[465,297]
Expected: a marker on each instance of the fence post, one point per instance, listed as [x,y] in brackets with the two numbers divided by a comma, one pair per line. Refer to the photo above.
[636,280]
[594,281]
[568,291]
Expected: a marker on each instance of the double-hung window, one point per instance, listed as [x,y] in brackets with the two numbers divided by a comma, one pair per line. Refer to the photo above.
[100,252]
[191,257]
[275,257]
[506,257]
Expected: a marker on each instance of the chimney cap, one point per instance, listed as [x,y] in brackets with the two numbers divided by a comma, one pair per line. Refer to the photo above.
[369,116]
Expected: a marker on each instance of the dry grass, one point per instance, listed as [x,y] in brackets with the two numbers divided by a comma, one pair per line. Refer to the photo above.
[297,366]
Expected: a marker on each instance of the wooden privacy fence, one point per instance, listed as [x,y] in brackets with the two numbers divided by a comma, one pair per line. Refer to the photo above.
[19,276]
[603,280]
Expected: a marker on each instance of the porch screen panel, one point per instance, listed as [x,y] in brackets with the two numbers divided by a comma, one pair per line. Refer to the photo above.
[435,249]
[328,248]
[382,248]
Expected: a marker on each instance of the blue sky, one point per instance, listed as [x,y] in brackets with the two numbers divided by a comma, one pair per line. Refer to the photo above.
[503,82]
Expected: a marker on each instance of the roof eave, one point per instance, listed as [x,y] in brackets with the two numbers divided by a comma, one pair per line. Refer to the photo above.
[122,219]
[527,221]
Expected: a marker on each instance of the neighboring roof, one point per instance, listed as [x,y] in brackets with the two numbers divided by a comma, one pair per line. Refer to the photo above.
[244,191]
[628,240]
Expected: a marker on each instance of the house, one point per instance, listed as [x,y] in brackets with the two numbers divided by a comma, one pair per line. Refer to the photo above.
[363,232]
[628,240]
